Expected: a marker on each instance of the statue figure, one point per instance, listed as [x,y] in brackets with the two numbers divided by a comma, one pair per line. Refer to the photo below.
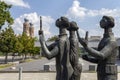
[74,47]
[60,50]
[106,54]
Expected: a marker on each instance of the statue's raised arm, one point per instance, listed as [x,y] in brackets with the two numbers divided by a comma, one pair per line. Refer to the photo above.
[47,53]
[104,52]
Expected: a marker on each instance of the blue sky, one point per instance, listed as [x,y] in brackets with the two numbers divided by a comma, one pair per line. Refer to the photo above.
[87,14]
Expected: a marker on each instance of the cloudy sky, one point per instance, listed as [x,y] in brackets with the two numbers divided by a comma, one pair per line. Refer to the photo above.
[87,14]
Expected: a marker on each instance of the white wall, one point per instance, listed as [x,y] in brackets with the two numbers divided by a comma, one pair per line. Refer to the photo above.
[118,42]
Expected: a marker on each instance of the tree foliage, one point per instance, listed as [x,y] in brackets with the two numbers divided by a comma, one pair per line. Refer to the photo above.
[7,38]
[5,15]
[28,45]
[7,41]
[18,46]
[22,44]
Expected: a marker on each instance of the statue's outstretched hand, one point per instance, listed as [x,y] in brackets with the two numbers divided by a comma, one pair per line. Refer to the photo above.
[83,42]
[41,36]
[85,57]
[40,32]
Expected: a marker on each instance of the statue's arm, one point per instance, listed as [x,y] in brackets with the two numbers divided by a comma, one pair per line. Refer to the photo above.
[49,54]
[105,52]
[90,59]
[51,46]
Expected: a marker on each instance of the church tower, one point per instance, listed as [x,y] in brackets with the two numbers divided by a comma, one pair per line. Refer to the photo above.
[26,27]
[31,30]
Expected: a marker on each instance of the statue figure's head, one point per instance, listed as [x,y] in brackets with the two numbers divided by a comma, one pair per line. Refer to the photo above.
[73,26]
[107,22]
[62,22]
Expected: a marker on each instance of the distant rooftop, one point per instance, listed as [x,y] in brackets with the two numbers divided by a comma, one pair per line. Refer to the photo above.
[94,38]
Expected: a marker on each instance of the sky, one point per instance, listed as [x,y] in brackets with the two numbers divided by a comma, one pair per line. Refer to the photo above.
[86,13]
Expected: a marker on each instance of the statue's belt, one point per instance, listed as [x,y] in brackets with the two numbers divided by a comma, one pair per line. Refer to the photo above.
[111,69]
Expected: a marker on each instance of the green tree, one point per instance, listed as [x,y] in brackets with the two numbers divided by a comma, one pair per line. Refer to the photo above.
[33,50]
[5,15]
[7,41]
[18,47]
[24,40]
[28,44]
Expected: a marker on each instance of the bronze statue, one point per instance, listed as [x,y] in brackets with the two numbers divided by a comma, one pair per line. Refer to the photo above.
[60,50]
[74,47]
[106,54]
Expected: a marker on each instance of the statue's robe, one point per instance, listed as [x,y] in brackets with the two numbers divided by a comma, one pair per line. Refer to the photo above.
[63,66]
[74,58]
[60,51]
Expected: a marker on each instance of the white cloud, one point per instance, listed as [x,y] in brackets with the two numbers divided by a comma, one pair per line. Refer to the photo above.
[82,32]
[76,11]
[116,29]
[79,14]
[34,18]
[103,11]
[17,3]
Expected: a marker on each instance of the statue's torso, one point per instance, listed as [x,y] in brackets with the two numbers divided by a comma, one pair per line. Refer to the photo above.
[74,47]
[107,65]
[111,59]
[63,66]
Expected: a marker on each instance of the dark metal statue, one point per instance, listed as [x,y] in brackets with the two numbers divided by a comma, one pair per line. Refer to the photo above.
[74,47]
[106,54]
[60,50]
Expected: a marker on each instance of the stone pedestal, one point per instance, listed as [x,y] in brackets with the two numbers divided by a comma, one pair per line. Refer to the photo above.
[46,68]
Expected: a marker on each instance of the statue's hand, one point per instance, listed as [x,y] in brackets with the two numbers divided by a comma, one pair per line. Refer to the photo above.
[40,32]
[83,42]
[41,36]
[85,57]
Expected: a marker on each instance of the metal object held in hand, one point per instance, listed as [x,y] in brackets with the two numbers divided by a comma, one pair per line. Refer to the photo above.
[40,31]
[86,36]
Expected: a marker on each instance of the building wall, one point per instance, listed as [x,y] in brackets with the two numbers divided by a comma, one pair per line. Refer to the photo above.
[119,52]
[118,42]
[26,26]
[31,31]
